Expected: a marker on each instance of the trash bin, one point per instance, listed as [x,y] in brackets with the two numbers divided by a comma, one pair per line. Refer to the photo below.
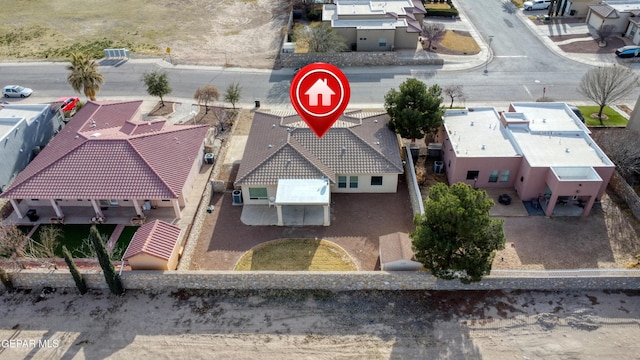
[32,215]
[572,12]
[257,102]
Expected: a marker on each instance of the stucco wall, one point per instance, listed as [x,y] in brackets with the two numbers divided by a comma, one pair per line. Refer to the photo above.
[346,59]
[337,281]
[389,184]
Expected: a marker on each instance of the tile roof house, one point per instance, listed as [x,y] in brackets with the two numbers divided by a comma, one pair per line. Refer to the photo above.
[155,246]
[622,15]
[106,156]
[542,150]
[376,25]
[396,253]
[24,130]
[357,154]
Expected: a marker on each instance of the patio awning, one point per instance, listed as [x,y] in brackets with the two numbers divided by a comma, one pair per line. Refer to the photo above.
[303,192]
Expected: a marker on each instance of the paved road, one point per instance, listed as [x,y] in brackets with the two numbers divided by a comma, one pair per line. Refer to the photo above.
[522,66]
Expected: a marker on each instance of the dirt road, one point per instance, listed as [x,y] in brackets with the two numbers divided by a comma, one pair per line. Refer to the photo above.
[320,325]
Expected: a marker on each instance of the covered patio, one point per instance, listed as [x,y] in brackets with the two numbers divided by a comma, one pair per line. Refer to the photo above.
[298,202]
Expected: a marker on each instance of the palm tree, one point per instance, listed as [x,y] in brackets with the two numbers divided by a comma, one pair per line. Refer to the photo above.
[84,75]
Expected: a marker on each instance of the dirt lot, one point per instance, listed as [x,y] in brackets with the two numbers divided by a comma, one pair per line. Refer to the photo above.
[320,325]
[232,32]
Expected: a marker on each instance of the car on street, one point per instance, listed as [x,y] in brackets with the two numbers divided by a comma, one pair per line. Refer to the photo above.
[68,103]
[536,4]
[16,91]
[628,51]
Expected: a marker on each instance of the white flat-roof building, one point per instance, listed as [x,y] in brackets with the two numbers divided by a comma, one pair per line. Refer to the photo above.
[542,150]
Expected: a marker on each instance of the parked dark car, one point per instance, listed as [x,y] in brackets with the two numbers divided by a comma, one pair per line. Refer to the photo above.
[577,112]
[628,51]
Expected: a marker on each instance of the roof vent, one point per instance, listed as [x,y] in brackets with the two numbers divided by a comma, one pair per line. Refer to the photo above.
[544,121]
[273,125]
[471,123]
[377,142]
[95,135]
[484,146]
[375,120]
[567,150]
[77,136]
[269,146]
[288,161]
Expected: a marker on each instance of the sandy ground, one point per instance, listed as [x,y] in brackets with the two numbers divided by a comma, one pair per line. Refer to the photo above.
[320,325]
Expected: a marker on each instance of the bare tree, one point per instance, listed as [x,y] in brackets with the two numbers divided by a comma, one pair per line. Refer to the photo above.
[453,92]
[43,251]
[433,33]
[205,95]
[606,84]
[605,32]
[321,39]
[623,148]
[11,240]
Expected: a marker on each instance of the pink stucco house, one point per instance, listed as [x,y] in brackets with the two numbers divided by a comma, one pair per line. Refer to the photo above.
[109,157]
[542,150]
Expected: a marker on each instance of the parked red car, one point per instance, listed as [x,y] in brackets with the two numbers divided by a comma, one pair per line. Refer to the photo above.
[68,103]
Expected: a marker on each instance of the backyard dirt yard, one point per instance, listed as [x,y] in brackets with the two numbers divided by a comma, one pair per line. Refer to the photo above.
[282,325]
[243,33]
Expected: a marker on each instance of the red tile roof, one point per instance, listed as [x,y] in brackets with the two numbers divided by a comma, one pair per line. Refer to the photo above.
[157,238]
[106,151]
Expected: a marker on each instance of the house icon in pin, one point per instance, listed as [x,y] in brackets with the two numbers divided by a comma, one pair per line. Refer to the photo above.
[320,89]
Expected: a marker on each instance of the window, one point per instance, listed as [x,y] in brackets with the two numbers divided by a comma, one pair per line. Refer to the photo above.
[634,29]
[473,174]
[376,180]
[494,176]
[353,182]
[504,177]
[342,182]
[382,42]
[257,193]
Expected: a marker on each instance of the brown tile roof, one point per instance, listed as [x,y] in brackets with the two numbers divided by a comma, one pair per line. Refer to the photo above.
[605,11]
[157,238]
[395,246]
[281,146]
[105,151]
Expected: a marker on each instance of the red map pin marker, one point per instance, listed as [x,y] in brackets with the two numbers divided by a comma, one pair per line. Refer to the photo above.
[320,93]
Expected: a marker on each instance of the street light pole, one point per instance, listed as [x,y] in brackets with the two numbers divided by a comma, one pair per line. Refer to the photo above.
[486,65]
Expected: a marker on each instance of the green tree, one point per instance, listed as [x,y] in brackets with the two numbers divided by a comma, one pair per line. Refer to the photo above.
[205,95]
[606,84]
[110,274]
[157,84]
[415,111]
[75,273]
[456,237]
[85,75]
[321,39]
[232,94]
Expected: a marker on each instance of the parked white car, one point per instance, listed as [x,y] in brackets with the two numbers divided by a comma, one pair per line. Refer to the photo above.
[536,5]
[16,91]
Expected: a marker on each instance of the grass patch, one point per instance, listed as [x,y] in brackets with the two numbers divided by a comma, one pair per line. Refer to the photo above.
[462,43]
[124,240]
[615,119]
[296,255]
[72,236]
[437,6]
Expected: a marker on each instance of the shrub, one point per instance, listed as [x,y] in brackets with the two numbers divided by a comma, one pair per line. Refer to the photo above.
[315,14]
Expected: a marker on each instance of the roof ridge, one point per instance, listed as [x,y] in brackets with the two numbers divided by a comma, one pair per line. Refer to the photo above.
[295,145]
[153,170]
[374,149]
[262,162]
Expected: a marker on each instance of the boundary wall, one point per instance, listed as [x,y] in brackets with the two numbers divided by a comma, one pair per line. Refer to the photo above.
[589,279]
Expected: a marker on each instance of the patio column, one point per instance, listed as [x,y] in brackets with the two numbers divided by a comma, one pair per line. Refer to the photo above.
[16,208]
[96,208]
[138,208]
[56,208]
[279,211]
[176,208]
[551,205]
[327,219]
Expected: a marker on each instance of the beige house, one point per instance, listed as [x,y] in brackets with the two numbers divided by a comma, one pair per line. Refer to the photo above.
[285,165]
[376,25]
[622,15]
[155,246]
